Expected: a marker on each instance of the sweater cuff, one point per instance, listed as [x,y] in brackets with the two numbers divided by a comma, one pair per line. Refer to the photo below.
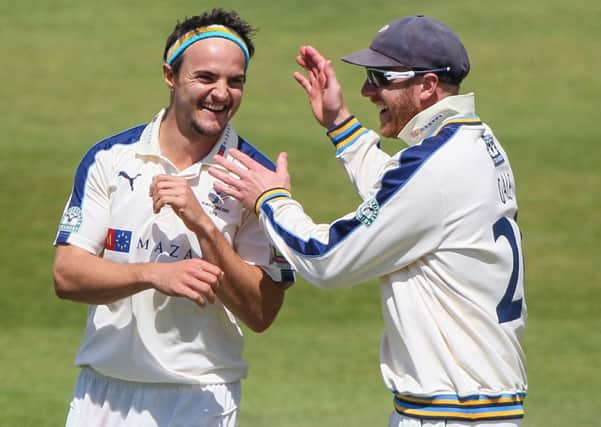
[346,133]
[269,195]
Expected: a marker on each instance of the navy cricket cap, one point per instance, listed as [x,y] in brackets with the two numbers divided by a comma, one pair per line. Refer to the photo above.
[416,42]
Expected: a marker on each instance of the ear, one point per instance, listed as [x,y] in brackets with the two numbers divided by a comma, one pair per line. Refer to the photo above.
[169,76]
[429,85]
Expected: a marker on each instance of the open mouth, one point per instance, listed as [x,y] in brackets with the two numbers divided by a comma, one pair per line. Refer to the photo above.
[383,110]
[215,108]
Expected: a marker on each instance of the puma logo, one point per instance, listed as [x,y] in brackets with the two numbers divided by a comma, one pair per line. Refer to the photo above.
[129,178]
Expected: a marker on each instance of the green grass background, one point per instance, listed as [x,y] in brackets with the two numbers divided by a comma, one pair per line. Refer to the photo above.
[75,71]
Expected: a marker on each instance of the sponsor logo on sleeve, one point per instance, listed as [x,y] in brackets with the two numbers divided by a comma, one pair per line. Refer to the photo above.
[71,220]
[492,149]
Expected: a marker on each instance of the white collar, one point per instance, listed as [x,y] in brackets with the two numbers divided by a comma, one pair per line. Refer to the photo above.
[149,142]
[429,121]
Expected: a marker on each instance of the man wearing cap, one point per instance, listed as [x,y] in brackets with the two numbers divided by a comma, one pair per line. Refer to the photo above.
[437,227]
[167,264]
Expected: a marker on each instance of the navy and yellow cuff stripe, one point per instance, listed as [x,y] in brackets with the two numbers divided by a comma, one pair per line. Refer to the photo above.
[270,195]
[471,408]
[346,133]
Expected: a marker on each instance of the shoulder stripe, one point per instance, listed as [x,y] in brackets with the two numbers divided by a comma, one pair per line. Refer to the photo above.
[129,136]
[124,138]
[251,151]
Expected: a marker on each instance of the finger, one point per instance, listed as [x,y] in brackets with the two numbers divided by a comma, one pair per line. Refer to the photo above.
[282,163]
[159,183]
[226,189]
[208,267]
[191,294]
[200,300]
[246,160]
[314,54]
[282,170]
[167,181]
[330,73]
[224,177]
[230,166]
[303,82]
[158,204]
[154,183]
[300,60]
[203,290]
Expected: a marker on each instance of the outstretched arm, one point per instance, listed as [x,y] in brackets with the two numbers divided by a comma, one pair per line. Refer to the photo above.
[385,233]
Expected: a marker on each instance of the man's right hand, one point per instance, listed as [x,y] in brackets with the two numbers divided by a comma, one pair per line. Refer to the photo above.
[322,87]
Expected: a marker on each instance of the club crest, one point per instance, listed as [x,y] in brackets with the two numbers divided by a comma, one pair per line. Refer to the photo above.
[368,212]
[71,220]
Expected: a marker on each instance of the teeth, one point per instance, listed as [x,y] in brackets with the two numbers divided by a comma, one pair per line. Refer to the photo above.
[214,107]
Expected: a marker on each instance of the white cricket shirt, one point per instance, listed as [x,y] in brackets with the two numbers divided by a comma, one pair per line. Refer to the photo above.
[438,227]
[151,337]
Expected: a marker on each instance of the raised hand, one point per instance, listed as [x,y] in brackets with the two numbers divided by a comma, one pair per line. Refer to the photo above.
[246,182]
[322,87]
[175,191]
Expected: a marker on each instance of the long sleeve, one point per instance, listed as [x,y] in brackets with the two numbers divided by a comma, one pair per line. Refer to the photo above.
[396,225]
[358,150]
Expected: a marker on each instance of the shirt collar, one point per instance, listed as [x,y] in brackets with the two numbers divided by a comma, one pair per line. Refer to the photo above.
[429,121]
[149,143]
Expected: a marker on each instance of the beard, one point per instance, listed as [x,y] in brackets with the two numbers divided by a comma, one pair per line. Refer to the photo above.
[205,130]
[399,113]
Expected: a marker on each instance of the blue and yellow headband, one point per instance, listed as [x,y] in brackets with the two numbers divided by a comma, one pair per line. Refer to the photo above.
[219,31]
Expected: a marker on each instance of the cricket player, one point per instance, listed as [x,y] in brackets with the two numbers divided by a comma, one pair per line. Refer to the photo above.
[437,227]
[168,265]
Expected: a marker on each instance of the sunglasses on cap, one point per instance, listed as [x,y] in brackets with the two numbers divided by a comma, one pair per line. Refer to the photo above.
[379,78]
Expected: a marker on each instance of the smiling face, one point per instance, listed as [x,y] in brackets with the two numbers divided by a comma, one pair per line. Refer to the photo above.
[207,91]
[398,103]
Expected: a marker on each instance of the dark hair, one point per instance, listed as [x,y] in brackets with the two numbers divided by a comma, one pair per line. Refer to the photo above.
[217,16]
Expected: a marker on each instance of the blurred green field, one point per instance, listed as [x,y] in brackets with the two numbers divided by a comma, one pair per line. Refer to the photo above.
[74,72]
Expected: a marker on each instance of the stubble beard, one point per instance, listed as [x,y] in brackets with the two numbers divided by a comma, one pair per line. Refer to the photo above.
[400,114]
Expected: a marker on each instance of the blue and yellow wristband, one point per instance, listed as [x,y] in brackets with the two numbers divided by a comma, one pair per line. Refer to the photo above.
[346,133]
[270,195]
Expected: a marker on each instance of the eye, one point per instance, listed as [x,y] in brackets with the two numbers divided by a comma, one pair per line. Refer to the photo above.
[205,78]
[237,82]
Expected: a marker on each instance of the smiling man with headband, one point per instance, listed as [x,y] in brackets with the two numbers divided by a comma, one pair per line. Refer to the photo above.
[168,266]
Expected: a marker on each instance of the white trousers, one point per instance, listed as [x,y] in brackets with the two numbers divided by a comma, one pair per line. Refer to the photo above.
[398,420]
[107,402]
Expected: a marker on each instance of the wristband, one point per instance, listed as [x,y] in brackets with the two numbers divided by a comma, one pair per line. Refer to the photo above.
[345,133]
[271,194]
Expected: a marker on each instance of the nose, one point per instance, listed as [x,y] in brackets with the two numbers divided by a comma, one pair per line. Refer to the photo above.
[220,90]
